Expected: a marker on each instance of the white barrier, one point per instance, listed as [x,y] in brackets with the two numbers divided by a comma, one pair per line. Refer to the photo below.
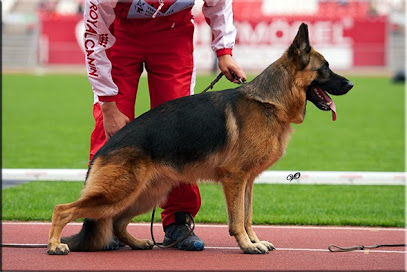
[44,174]
[267,177]
[329,177]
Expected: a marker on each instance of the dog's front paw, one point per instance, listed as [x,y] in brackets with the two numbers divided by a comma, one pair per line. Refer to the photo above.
[60,249]
[256,248]
[269,245]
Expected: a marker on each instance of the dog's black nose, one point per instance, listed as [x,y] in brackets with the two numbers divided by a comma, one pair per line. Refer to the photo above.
[349,86]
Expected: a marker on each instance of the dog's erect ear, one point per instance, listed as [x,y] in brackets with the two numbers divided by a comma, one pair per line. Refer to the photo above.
[300,49]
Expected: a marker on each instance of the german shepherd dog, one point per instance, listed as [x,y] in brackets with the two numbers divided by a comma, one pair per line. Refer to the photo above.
[229,136]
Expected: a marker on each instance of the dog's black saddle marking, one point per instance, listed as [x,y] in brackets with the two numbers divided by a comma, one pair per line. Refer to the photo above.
[179,131]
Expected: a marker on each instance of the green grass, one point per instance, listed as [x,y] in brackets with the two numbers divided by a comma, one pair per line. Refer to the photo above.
[273,204]
[47,121]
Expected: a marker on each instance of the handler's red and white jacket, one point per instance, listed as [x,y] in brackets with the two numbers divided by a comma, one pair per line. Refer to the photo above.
[100,14]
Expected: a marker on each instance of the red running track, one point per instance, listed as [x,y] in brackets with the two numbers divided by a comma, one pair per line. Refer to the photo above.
[298,248]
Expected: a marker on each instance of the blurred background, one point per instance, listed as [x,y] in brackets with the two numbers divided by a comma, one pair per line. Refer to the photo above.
[362,36]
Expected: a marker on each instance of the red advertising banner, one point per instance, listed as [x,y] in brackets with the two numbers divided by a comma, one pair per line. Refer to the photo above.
[347,41]
[59,39]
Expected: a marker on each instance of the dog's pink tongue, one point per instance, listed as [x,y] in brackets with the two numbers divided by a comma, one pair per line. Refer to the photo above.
[331,104]
[333,109]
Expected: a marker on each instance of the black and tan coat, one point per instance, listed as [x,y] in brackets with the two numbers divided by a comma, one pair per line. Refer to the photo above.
[229,136]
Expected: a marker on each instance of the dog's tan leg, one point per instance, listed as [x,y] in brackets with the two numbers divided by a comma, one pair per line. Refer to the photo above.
[248,200]
[248,212]
[95,203]
[150,197]
[120,230]
[63,214]
[121,222]
[91,205]
[234,189]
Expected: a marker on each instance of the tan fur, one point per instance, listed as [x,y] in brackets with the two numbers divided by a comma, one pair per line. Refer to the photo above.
[128,183]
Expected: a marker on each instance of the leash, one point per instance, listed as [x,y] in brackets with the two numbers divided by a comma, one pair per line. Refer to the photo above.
[335,248]
[23,245]
[213,82]
[220,75]
[161,245]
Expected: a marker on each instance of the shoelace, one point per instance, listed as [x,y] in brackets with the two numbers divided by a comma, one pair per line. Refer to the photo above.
[160,245]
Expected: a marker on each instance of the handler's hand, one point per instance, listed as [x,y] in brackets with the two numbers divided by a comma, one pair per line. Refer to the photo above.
[227,65]
[113,119]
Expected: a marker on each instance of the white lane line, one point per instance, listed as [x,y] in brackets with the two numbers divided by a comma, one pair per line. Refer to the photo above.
[237,248]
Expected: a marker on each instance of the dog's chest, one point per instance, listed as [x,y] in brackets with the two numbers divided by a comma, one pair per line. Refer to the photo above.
[264,142]
[276,145]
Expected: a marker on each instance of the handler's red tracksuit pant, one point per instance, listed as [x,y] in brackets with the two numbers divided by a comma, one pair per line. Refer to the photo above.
[165,46]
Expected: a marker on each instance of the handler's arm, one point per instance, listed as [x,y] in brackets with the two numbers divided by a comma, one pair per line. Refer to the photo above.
[98,16]
[219,16]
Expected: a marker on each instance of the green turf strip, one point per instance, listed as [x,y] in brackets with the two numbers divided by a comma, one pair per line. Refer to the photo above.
[47,121]
[273,204]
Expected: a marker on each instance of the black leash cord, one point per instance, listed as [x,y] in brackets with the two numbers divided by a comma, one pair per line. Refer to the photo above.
[23,245]
[160,245]
[335,248]
[213,82]
[219,77]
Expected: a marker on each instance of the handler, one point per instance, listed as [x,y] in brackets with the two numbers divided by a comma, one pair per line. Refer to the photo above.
[124,37]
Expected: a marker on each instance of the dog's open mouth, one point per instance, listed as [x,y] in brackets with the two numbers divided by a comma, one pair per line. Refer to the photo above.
[322,100]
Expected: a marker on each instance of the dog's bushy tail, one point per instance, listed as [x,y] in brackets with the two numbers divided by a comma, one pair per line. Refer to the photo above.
[95,235]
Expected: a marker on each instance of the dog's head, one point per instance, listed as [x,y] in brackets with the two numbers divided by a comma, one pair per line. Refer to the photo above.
[317,79]
[301,74]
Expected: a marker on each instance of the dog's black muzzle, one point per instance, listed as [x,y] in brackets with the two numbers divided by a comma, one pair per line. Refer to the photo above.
[335,84]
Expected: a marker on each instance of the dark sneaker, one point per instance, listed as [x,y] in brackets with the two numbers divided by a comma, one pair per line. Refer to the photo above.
[179,229]
[175,232]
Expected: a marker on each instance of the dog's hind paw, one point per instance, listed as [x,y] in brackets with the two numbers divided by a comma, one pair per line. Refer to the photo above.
[143,244]
[146,244]
[61,249]
[149,244]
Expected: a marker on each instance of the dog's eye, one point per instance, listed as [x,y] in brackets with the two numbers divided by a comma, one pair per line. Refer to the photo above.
[324,70]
